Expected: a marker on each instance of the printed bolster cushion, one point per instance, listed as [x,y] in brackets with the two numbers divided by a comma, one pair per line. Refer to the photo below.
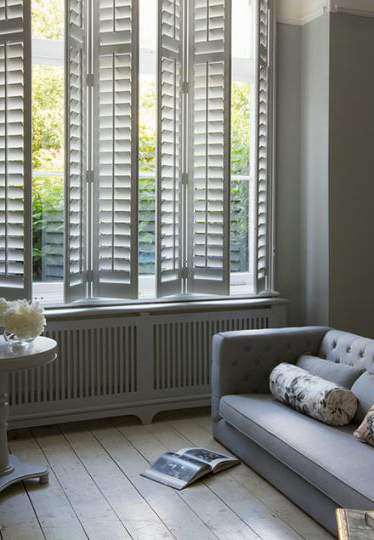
[365,431]
[312,395]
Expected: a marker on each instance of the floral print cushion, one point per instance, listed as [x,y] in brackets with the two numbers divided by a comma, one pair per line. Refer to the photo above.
[365,431]
[312,395]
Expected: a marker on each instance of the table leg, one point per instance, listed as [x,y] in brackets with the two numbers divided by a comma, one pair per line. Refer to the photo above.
[11,469]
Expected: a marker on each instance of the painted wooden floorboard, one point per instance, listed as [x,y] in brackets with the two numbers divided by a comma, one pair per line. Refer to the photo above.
[241,501]
[18,520]
[273,499]
[220,519]
[96,491]
[166,502]
[140,519]
[50,503]
[95,513]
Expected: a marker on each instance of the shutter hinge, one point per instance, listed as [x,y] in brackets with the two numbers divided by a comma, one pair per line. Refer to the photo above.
[185,178]
[90,79]
[89,276]
[185,273]
[185,87]
[89,176]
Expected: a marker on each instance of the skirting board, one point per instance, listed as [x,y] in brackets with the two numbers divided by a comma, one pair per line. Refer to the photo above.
[144,411]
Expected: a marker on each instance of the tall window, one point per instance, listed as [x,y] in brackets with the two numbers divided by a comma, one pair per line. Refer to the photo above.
[151,154]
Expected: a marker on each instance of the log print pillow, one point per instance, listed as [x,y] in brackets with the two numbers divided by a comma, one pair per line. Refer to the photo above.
[365,431]
[312,395]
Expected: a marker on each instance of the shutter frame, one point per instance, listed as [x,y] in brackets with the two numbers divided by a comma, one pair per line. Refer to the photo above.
[264,155]
[170,51]
[203,280]
[17,283]
[76,268]
[114,283]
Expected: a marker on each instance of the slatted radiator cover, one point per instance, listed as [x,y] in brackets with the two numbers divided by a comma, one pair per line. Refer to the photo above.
[139,364]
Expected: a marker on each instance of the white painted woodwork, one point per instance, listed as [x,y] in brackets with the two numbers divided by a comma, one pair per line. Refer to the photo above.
[115,148]
[139,363]
[15,149]
[359,7]
[14,358]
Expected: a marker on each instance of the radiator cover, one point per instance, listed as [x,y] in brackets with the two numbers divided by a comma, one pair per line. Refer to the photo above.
[138,364]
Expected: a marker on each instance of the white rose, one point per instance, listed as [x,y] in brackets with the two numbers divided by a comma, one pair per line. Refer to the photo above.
[24,319]
[3,308]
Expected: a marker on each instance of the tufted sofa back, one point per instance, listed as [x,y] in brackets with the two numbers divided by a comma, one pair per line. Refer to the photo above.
[346,348]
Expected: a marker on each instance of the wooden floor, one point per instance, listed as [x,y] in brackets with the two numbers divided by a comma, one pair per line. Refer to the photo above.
[95,490]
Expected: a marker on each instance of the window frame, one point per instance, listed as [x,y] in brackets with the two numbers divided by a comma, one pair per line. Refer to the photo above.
[269,290]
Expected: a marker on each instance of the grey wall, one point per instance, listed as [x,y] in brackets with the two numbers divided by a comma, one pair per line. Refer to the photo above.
[288,238]
[352,173]
[325,171]
[302,213]
[314,171]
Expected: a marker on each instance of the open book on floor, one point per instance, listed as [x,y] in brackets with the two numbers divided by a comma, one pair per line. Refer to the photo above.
[181,469]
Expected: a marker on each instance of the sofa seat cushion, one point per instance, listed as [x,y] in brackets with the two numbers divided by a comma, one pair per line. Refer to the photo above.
[327,457]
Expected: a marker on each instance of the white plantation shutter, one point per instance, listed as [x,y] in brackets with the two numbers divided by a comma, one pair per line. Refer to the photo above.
[169,156]
[15,149]
[115,148]
[209,137]
[76,151]
[264,157]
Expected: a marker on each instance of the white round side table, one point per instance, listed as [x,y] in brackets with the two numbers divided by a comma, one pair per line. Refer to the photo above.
[38,353]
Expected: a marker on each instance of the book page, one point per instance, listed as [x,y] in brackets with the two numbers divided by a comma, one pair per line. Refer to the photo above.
[175,470]
[213,459]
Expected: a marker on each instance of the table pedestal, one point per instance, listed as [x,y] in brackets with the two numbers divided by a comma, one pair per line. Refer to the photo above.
[11,469]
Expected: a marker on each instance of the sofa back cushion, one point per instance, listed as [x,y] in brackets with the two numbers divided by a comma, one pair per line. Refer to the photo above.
[350,349]
[340,374]
[363,389]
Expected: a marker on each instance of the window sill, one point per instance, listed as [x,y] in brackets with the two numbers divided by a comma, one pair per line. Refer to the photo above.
[219,304]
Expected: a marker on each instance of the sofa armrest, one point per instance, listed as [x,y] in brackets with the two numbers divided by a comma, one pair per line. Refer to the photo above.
[242,361]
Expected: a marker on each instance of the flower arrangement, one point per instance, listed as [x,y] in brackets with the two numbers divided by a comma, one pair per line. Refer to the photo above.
[22,320]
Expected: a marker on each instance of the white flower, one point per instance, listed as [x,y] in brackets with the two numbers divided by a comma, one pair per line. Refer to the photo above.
[3,308]
[24,319]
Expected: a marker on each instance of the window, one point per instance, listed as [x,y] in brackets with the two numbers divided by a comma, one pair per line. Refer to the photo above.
[162,110]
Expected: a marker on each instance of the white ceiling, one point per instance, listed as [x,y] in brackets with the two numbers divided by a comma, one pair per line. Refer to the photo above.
[303,11]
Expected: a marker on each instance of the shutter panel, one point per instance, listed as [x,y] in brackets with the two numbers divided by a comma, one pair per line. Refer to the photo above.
[76,152]
[115,251]
[209,161]
[264,116]
[15,149]
[169,145]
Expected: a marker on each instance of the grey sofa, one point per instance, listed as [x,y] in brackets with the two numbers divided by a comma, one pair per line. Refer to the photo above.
[317,466]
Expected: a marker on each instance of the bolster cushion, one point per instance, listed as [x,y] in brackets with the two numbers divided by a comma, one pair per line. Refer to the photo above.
[312,395]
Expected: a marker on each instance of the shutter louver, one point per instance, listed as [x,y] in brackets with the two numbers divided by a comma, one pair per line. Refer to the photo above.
[264,146]
[76,152]
[116,149]
[209,160]
[15,149]
[169,144]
